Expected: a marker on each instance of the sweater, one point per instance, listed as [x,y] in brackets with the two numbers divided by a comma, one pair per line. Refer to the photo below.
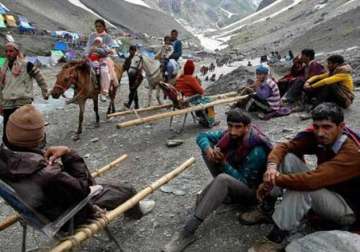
[188,85]
[342,76]
[338,167]
[248,168]
[269,91]
[17,91]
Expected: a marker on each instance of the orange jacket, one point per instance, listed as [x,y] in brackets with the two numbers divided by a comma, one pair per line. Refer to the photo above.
[188,85]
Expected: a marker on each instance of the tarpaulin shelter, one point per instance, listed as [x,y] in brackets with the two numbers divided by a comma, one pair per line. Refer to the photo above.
[61,46]
[2,22]
[3,9]
[10,21]
[24,25]
[55,56]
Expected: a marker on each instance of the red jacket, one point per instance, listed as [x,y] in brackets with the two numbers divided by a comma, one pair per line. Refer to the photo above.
[188,85]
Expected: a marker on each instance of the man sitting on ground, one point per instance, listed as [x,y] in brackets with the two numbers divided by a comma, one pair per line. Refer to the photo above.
[331,190]
[236,158]
[264,94]
[334,86]
[47,186]
[312,68]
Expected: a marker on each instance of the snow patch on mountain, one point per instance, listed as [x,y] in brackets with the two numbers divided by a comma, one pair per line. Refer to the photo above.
[138,2]
[79,4]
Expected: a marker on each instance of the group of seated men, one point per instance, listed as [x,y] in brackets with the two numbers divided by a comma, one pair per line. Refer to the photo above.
[307,85]
[247,169]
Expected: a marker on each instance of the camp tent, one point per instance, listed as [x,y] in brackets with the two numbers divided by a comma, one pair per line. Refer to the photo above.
[55,56]
[10,21]
[2,22]
[61,46]
[24,25]
[3,9]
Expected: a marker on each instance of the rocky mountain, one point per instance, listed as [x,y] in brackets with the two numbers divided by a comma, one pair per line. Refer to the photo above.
[264,3]
[324,25]
[205,14]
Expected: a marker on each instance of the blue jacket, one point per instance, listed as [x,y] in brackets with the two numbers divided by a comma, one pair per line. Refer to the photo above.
[251,168]
[177,50]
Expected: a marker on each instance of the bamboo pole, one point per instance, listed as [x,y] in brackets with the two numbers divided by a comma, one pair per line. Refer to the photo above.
[164,106]
[127,112]
[179,112]
[91,229]
[12,219]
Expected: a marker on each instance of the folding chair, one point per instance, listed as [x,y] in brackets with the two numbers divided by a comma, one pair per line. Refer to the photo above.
[29,217]
[179,102]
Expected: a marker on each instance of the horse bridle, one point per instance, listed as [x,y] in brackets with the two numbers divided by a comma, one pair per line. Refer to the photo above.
[140,62]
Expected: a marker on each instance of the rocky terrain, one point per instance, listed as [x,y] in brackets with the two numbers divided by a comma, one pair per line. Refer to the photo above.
[149,158]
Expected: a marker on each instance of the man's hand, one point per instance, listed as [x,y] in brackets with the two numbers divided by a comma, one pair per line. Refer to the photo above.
[55,152]
[307,86]
[271,174]
[215,155]
[263,190]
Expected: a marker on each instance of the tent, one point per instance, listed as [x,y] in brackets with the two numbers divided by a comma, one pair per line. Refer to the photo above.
[2,22]
[55,56]
[61,46]
[3,9]
[10,21]
[2,61]
[24,25]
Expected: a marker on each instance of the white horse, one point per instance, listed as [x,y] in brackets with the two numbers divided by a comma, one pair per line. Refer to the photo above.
[153,73]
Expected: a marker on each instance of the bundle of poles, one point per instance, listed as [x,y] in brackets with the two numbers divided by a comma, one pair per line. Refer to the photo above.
[160,116]
[12,219]
[90,230]
[166,106]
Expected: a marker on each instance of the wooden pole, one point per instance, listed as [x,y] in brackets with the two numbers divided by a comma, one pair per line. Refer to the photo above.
[12,219]
[164,106]
[127,112]
[90,230]
[179,112]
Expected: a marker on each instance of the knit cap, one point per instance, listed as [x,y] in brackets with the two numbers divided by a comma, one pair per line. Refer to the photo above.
[189,67]
[26,127]
[261,69]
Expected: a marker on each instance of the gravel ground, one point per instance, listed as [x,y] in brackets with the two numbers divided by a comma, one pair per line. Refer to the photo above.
[148,160]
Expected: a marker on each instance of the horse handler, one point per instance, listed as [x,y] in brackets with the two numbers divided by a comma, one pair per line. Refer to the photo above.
[16,83]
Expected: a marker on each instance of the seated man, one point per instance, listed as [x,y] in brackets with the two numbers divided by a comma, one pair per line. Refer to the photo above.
[334,86]
[264,94]
[47,186]
[296,73]
[236,158]
[311,68]
[189,85]
[331,190]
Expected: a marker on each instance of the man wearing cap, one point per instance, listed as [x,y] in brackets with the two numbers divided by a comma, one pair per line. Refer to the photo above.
[236,158]
[49,187]
[267,95]
[16,83]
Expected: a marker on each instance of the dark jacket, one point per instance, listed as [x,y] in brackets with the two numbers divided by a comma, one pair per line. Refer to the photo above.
[177,50]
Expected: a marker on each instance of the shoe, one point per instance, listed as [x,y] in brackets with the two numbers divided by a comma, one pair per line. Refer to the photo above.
[103,98]
[146,206]
[257,216]
[179,242]
[126,105]
[266,246]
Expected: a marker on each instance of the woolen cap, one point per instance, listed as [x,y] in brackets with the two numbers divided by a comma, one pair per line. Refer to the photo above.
[26,127]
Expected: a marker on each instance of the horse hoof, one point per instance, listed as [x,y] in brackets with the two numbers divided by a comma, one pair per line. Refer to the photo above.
[76,137]
[97,125]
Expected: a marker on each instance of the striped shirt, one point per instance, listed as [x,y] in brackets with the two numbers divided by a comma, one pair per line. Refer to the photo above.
[269,91]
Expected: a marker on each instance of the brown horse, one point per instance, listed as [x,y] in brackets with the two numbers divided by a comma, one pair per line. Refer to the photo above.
[78,73]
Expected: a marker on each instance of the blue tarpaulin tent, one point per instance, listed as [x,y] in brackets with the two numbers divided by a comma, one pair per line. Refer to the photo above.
[61,46]
[24,25]
[2,22]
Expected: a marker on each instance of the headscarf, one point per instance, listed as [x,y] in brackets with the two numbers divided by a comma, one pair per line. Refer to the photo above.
[189,67]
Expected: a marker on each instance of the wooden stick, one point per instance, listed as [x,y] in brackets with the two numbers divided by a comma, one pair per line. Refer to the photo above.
[179,112]
[127,112]
[90,230]
[12,219]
